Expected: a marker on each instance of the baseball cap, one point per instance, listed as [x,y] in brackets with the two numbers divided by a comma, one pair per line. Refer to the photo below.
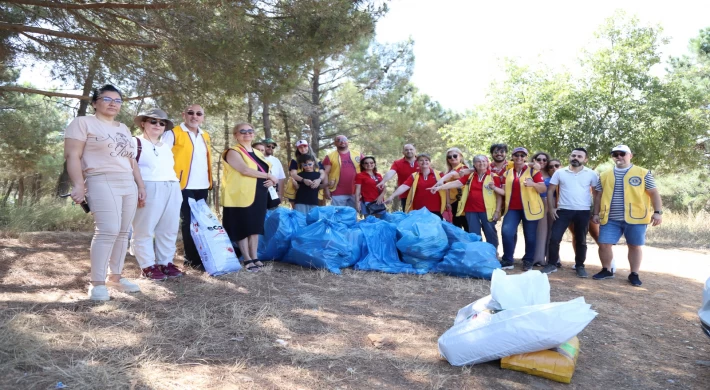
[520,149]
[301,142]
[621,148]
[269,141]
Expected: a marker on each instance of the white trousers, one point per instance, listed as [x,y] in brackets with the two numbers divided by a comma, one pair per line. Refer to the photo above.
[159,219]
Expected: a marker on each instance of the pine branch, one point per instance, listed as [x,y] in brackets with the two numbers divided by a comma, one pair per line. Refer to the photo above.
[24,29]
[57,4]
[12,88]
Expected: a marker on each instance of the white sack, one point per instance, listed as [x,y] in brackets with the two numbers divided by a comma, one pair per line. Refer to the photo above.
[485,303]
[212,242]
[526,289]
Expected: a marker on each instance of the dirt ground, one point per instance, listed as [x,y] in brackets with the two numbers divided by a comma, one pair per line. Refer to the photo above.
[293,328]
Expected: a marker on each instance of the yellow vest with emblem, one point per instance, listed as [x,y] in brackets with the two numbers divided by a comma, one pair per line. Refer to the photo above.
[637,203]
[183,150]
[489,196]
[413,189]
[238,190]
[532,202]
[456,193]
[334,175]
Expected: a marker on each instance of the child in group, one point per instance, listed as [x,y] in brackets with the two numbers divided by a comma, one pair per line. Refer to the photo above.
[307,184]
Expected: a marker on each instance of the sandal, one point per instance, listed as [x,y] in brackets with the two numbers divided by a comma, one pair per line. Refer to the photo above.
[260,265]
[253,268]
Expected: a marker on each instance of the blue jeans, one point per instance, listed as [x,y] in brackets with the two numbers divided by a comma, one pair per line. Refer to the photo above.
[510,229]
[478,221]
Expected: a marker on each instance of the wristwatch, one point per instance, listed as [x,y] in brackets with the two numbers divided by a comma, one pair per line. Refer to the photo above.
[659,212]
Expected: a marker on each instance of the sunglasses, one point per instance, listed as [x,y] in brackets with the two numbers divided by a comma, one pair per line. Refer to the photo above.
[246,131]
[555,165]
[541,159]
[520,155]
[618,154]
[107,99]
[270,146]
[452,156]
[191,113]
[310,164]
[155,121]
[341,140]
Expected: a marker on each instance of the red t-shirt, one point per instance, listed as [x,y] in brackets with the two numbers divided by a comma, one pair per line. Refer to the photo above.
[474,202]
[368,186]
[404,170]
[516,200]
[424,198]
[500,171]
[346,183]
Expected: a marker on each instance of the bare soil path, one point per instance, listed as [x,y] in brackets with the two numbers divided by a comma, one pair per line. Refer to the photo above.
[213,333]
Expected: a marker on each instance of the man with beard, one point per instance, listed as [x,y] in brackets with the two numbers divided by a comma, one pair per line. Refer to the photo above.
[574,185]
[341,167]
[499,163]
[403,168]
[276,168]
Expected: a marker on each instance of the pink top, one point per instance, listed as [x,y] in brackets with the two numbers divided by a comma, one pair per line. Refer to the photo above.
[109,147]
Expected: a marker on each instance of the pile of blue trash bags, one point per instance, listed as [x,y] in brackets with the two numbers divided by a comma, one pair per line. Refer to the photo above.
[331,238]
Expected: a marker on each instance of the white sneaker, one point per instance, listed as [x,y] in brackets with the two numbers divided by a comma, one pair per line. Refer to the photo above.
[124,285]
[98,293]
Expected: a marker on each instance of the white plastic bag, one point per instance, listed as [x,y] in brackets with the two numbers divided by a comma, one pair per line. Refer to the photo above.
[211,240]
[487,337]
[485,303]
[526,289]
[704,312]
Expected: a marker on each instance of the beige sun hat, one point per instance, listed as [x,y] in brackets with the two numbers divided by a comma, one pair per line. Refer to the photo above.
[154,113]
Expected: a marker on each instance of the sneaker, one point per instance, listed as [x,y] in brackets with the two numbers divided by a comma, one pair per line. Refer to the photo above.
[153,273]
[581,272]
[98,293]
[506,265]
[527,266]
[548,269]
[123,285]
[634,279]
[170,270]
[603,274]
[538,264]
[558,265]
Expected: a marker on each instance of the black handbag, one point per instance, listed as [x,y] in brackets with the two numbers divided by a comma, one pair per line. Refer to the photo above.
[375,208]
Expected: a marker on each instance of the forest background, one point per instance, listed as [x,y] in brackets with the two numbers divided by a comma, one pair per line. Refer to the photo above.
[312,69]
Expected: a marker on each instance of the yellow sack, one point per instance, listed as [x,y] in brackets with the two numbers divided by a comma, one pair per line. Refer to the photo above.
[557,364]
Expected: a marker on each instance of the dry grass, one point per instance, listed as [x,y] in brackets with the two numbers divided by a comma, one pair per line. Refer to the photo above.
[690,230]
[214,333]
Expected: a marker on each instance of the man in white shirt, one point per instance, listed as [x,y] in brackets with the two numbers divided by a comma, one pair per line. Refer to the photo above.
[193,167]
[276,168]
[575,183]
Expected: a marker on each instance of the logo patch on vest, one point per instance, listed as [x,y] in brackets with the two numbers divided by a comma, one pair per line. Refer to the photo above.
[635,181]
[357,159]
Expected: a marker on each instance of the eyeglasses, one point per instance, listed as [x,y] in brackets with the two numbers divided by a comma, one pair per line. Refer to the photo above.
[155,121]
[310,164]
[270,146]
[341,140]
[541,159]
[520,155]
[108,100]
[555,165]
[452,156]
[246,131]
[618,154]
[197,113]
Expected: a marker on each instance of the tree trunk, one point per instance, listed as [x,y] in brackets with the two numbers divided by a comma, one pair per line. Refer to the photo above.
[7,193]
[36,189]
[250,107]
[314,117]
[20,191]
[287,130]
[266,118]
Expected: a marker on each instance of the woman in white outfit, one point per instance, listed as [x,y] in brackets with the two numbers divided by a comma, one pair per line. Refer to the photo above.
[158,216]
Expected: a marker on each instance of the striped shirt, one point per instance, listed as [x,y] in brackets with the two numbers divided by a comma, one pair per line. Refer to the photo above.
[616,210]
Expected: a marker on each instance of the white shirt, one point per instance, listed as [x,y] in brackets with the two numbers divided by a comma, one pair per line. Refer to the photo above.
[156,164]
[198,178]
[575,187]
[276,168]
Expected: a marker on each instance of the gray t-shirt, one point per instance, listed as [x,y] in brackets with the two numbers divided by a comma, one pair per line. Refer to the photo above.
[575,188]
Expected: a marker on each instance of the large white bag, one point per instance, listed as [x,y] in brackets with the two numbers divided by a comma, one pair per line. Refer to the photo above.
[526,289]
[487,336]
[211,240]
[704,312]
[485,303]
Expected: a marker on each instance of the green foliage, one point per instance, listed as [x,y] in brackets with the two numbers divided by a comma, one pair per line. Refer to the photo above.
[686,192]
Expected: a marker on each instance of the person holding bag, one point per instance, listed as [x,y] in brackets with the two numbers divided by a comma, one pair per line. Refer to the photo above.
[368,198]
[245,193]
[158,216]
[100,153]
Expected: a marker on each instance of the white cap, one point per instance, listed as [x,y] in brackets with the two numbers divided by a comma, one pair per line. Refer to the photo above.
[301,142]
[621,148]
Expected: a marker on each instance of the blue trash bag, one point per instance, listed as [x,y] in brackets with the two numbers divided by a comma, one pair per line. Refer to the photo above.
[421,237]
[321,245]
[379,252]
[395,217]
[420,264]
[469,260]
[262,242]
[370,219]
[356,240]
[456,234]
[340,214]
[278,230]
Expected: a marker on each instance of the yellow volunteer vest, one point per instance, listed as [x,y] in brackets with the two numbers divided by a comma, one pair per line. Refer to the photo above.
[489,196]
[290,190]
[532,202]
[637,203]
[236,189]
[455,192]
[413,189]
[334,175]
[183,150]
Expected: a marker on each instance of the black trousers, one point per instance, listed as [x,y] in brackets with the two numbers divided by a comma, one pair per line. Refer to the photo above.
[192,258]
[580,218]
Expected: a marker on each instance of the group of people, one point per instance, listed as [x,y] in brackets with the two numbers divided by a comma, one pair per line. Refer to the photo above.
[143,183]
